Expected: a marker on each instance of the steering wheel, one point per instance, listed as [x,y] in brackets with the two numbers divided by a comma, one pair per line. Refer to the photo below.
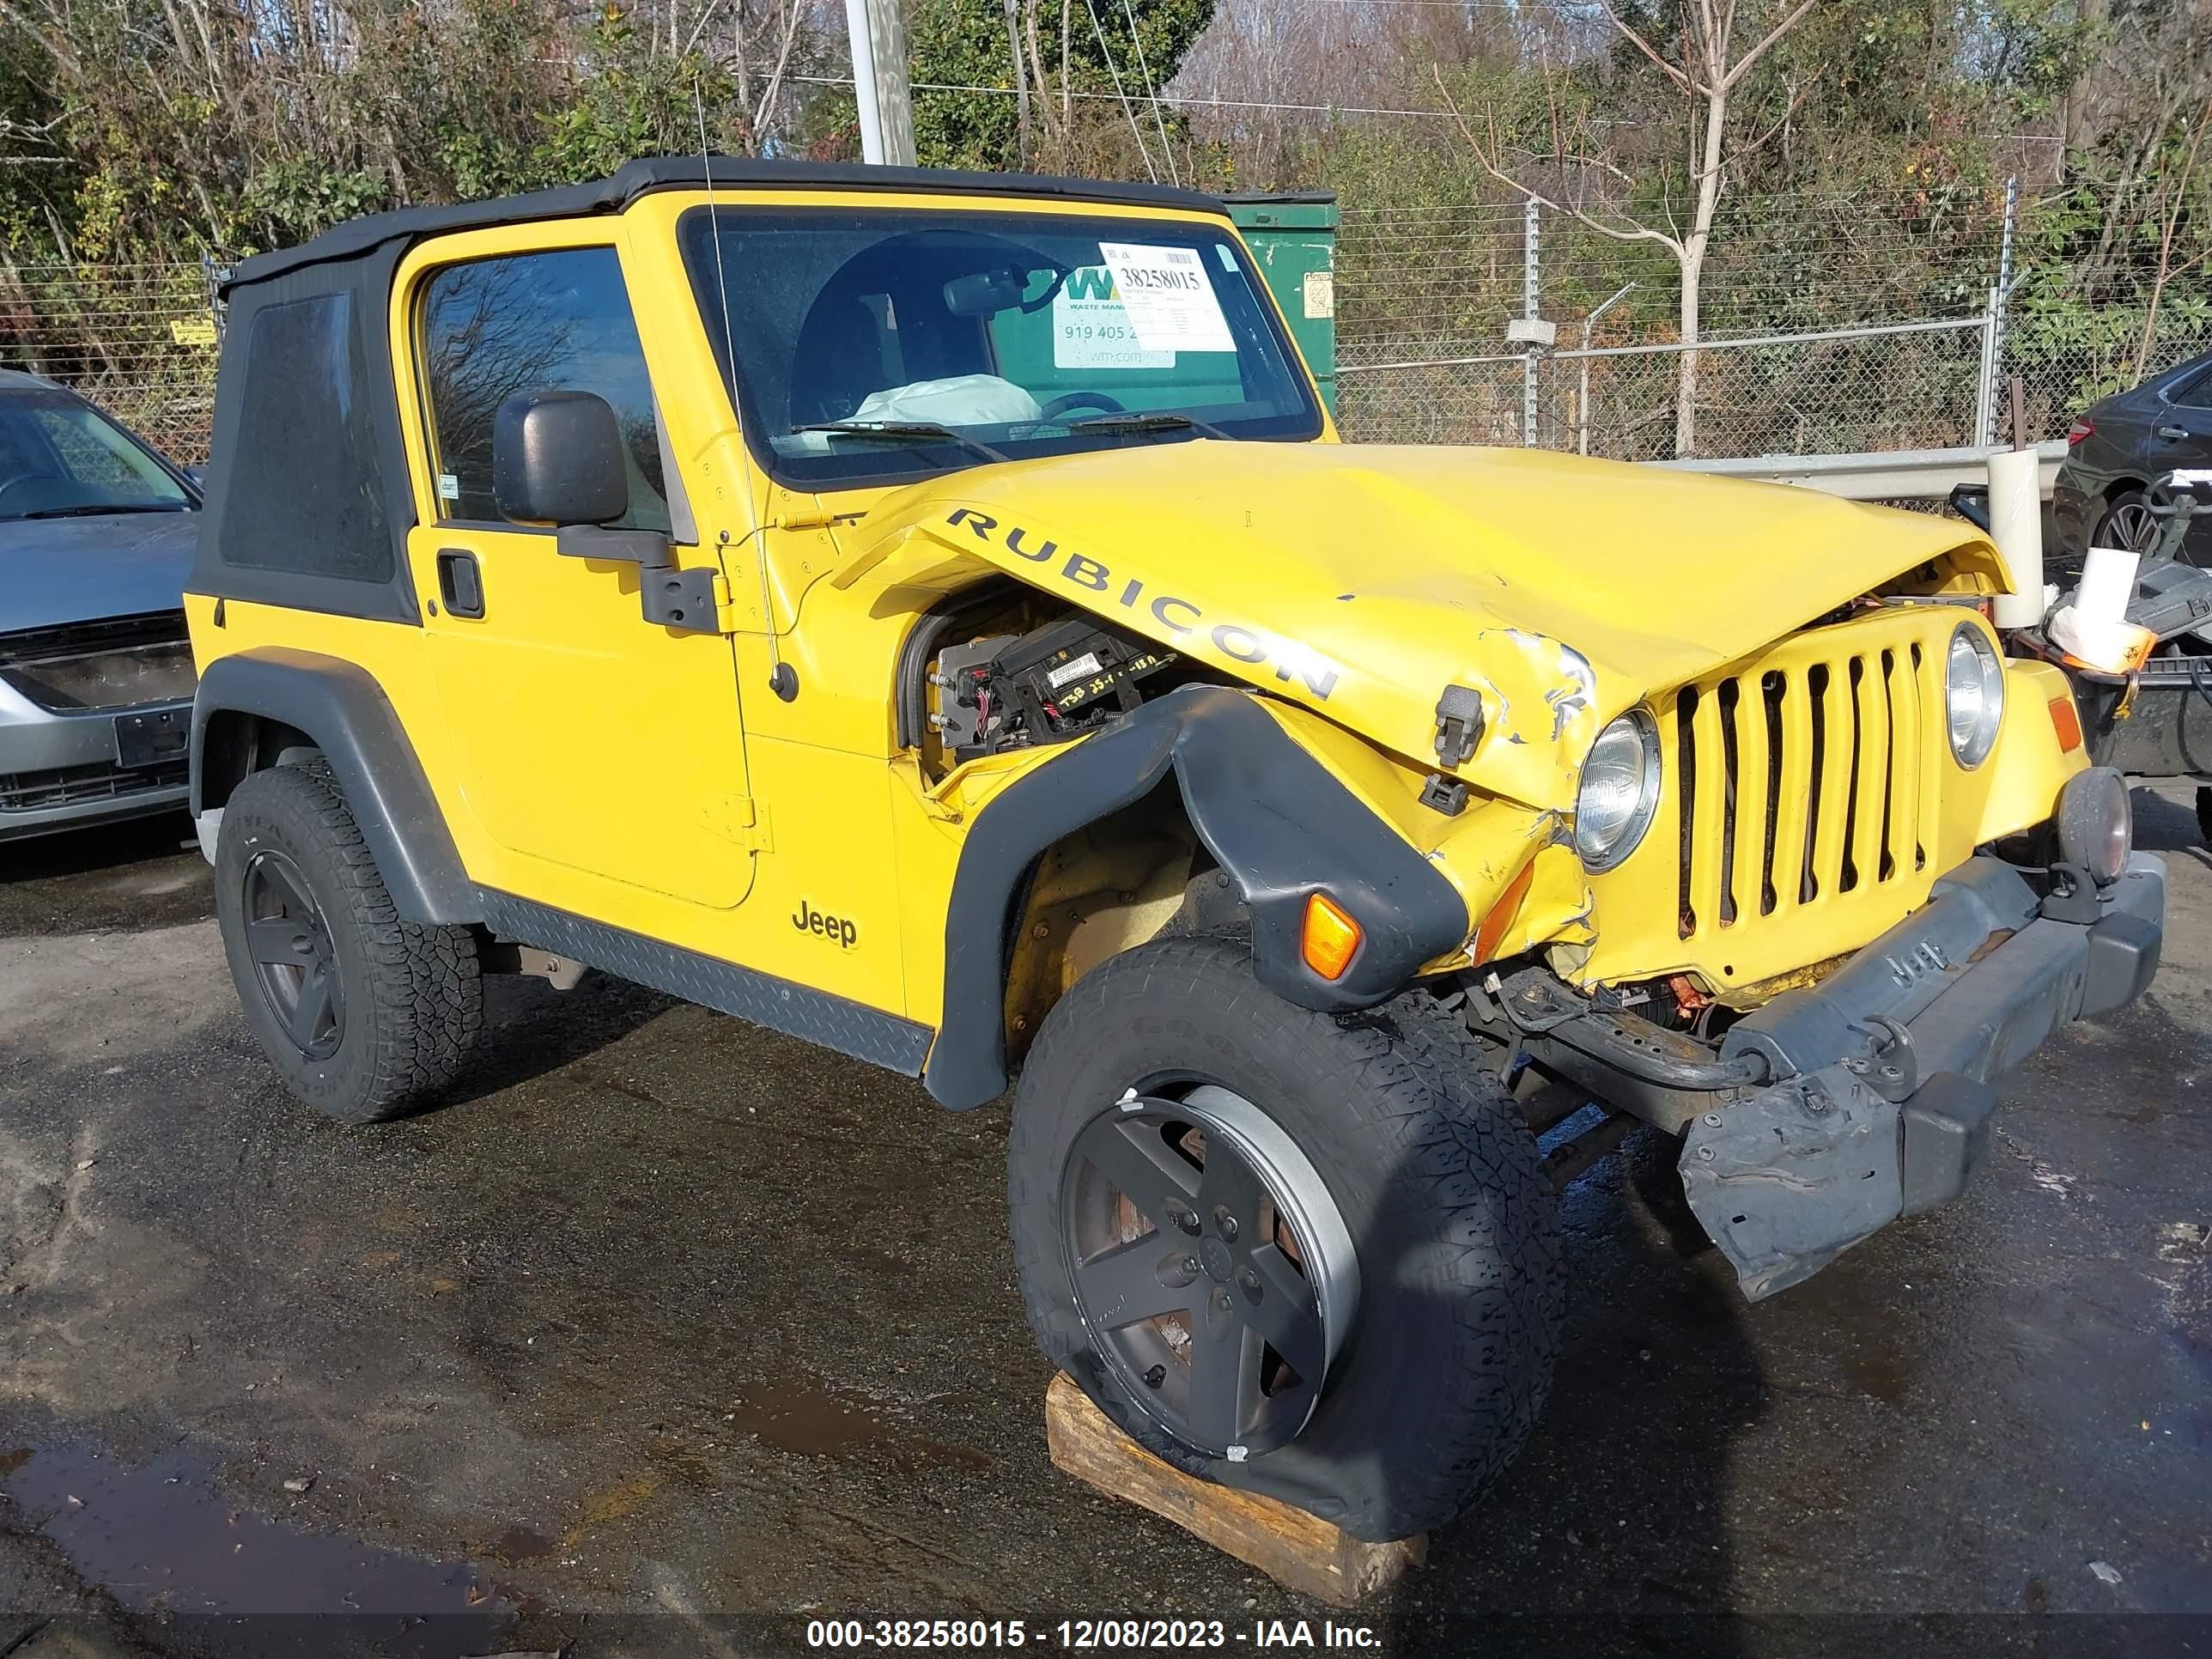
[1060,405]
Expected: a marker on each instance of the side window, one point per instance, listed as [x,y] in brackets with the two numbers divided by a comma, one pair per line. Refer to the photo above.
[558,321]
[2195,392]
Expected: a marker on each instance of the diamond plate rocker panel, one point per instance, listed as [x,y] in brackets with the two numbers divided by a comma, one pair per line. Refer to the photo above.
[880,1039]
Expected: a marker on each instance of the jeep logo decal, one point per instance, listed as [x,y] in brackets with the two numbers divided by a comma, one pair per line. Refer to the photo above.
[808,919]
[1178,616]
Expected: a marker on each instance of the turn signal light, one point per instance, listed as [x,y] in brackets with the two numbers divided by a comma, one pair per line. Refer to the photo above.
[1488,936]
[2066,720]
[1332,937]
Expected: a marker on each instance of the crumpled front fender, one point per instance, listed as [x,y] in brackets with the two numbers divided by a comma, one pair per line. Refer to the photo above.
[1273,816]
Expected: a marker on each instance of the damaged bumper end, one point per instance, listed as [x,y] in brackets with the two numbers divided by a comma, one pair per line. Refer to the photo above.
[1880,1094]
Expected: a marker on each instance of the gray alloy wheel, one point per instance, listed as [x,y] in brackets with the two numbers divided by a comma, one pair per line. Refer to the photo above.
[289,942]
[1211,1266]
[2127,523]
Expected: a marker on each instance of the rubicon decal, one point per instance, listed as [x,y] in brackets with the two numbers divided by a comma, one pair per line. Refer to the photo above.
[1290,664]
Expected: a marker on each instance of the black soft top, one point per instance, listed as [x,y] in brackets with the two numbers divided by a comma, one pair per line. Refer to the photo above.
[358,237]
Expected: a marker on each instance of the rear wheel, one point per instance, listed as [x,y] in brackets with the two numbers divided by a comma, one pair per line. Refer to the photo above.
[363,1015]
[2127,523]
[1304,1254]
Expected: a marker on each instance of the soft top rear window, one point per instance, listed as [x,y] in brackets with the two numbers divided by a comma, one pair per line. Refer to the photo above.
[305,494]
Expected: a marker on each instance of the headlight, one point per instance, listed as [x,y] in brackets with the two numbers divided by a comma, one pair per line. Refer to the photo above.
[1619,792]
[1973,694]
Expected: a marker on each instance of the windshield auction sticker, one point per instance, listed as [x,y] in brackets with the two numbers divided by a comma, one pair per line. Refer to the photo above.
[1090,326]
[1169,297]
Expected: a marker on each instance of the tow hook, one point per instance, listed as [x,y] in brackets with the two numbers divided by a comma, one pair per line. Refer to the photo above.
[1890,1067]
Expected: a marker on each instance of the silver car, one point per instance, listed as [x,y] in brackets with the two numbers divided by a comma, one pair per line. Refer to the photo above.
[96,536]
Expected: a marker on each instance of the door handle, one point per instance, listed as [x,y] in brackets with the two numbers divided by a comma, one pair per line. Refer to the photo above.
[2174,433]
[460,582]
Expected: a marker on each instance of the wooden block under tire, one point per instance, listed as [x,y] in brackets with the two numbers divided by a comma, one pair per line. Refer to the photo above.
[1298,1551]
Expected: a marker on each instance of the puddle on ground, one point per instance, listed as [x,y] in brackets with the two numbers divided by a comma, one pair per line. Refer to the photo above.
[793,1417]
[162,1538]
[1883,1376]
[517,1545]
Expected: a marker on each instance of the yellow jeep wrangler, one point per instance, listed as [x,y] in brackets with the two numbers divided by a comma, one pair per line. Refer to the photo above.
[930,614]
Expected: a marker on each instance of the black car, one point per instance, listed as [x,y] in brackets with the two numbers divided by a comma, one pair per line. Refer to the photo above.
[2116,447]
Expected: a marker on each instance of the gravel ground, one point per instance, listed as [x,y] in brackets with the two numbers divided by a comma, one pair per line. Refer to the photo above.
[670,1333]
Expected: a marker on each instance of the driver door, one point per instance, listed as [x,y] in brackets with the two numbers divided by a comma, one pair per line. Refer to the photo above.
[600,754]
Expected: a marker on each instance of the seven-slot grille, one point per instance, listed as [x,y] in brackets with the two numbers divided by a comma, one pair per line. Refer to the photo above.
[1803,781]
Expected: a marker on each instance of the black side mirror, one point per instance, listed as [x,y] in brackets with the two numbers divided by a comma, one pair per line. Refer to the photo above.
[557,458]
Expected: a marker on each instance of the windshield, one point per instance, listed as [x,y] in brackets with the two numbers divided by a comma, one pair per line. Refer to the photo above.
[60,457]
[1024,334]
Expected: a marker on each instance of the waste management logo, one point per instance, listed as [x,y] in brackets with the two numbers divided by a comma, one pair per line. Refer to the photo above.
[1090,326]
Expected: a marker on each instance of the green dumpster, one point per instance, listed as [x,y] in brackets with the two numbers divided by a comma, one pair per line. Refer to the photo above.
[1294,240]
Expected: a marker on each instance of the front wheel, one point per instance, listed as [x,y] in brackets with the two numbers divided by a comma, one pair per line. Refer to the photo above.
[1305,1254]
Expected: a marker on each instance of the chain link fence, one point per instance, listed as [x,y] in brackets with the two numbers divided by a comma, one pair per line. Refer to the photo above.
[1914,385]
[137,339]
[1828,326]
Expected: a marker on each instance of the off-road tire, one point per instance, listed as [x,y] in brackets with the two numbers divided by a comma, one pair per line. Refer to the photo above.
[411,992]
[1436,1178]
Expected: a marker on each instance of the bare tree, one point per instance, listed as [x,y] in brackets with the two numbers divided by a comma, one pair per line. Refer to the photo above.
[1705,69]
[1269,76]
[2167,271]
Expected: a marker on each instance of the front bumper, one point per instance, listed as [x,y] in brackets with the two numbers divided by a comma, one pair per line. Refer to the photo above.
[59,771]
[1880,1098]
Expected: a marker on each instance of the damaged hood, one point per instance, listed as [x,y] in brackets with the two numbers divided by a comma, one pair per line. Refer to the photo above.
[1363,580]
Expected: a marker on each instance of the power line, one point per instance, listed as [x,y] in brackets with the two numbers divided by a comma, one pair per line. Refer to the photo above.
[1436,5]
[1171,99]
[1159,118]
[1119,92]
[1191,100]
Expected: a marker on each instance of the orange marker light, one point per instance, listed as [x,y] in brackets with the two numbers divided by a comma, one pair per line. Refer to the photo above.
[1503,914]
[1332,937]
[2068,722]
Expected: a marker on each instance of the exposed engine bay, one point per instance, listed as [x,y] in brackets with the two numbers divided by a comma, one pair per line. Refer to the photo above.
[1046,686]
[1031,679]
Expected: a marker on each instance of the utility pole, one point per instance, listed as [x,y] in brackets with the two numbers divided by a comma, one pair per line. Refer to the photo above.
[878,36]
[1531,330]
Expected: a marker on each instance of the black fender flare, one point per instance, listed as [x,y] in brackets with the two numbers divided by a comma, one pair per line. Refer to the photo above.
[1277,821]
[344,712]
